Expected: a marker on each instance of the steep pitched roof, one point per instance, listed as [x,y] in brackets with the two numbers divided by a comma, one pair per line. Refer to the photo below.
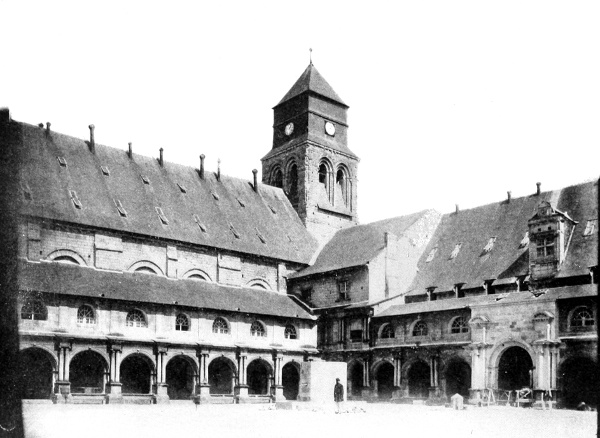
[265,215]
[311,80]
[507,222]
[358,245]
[60,278]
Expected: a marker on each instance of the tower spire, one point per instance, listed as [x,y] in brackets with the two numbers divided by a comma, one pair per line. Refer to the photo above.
[310,55]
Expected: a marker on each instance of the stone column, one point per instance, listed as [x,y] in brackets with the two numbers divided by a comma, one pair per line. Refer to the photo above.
[366,390]
[241,389]
[161,394]
[277,387]
[433,377]
[203,391]
[478,372]
[62,387]
[397,392]
[114,386]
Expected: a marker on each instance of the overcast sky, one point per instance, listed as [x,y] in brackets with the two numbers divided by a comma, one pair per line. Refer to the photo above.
[451,102]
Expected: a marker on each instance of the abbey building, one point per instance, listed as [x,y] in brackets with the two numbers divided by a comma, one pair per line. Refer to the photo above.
[143,281]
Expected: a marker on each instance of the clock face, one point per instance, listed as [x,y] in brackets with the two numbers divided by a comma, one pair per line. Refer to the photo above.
[289,128]
[329,128]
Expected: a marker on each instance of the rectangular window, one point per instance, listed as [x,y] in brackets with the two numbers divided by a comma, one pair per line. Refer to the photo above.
[161,216]
[545,247]
[344,289]
[306,294]
[356,335]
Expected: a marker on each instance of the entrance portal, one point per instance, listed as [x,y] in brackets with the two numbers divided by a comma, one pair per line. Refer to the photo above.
[180,378]
[458,378]
[579,382]
[136,372]
[36,366]
[515,369]
[290,379]
[86,373]
[220,376]
[356,379]
[385,380]
[418,380]
[258,378]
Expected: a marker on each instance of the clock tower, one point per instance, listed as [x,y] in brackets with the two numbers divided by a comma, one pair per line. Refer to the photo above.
[310,158]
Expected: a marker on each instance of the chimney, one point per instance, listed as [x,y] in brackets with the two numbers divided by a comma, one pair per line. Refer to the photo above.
[539,188]
[161,160]
[508,196]
[130,151]
[202,166]
[48,124]
[4,116]
[219,169]
[255,187]
[457,209]
[92,141]
[41,125]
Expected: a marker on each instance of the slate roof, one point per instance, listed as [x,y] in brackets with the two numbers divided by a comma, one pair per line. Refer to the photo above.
[311,80]
[507,221]
[358,245]
[61,278]
[586,290]
[267,212]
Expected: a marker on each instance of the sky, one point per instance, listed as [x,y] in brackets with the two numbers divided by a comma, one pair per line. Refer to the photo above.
[451,102]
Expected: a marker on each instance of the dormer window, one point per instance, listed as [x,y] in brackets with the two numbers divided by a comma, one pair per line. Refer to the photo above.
[62,161]
[120,208]
[431,255]
[105,170]
[260,236]
[545,247]
[145,179]
[75,199]
[455,251]
[241,202]
[161,216]
[182,188]
[590,227]
[489,246]
[343,289]
[234,231]
[215,196]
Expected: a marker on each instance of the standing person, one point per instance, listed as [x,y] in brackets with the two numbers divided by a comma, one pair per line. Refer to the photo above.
[338,395]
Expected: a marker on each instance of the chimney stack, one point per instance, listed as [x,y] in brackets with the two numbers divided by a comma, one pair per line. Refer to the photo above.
[539,188]
[457,209]
[48,124]
[508,196]
[254,171]
[219,169]
[41,125]
[4,116]
[92,141]
[161,160]
[202,166]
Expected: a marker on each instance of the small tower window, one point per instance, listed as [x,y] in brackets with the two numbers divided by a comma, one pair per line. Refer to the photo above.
[323,174]
[26,192]
[277,179]
[293,184]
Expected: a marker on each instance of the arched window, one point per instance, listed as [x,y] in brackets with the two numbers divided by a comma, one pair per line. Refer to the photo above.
[182,323]
[197,277]
[277,178]
[34,310]
[323,174]
[220,326]
[86,315]
[388,332]
[66,259]
[136,318]
[459,325]
[257,329]
[582,317]
[420,329]
[290,332]
[145,270]
[341,181]
[293,184]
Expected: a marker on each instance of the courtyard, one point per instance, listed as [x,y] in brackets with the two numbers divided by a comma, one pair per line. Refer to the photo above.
[186,419]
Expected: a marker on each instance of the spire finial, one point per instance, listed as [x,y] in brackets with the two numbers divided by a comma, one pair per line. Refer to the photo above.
[310,55]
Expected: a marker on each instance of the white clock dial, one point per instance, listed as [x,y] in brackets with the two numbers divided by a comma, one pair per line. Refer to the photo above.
[289,128]
[330,128]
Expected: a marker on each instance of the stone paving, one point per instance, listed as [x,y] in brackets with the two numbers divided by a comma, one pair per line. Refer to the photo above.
[185,419]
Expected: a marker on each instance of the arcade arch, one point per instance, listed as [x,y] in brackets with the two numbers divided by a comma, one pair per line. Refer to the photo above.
[578,382]
[221,373]
[418,379]
[384,374]
[258,376]
[180,377]
[290,379]
[87,372]
[37,375]
[515,368]
[356,371]
[458,378]
[136,374]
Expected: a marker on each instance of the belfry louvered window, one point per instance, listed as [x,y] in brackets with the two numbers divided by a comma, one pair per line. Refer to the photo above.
[161,216]
[75,199]
[120,208]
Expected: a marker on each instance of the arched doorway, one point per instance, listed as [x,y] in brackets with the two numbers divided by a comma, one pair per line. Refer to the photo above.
[180,378]
[514,369]
[220,376]
[418,380]
[87,371]
[37,371]
[579,382]
[355,379]
[458,378]
[385,380]
[136,374]
[290,379]
[257,377]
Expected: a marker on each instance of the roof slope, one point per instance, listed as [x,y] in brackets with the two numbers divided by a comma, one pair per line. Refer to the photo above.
[356,246]
[80,281]
[267,212]
[311,80]
[507,222]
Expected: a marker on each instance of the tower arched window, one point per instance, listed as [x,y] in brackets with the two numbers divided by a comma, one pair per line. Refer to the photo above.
[182,323]
[342,185]
[582,317]
[323,174]
[459,325]
[420,329]
[136,318]
[277,178]
[86,315]
[220,326]
[293,184]
[34,310]
[290,332]
[257,329]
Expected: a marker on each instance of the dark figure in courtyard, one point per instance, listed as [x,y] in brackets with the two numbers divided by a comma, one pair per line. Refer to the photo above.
[338,395]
